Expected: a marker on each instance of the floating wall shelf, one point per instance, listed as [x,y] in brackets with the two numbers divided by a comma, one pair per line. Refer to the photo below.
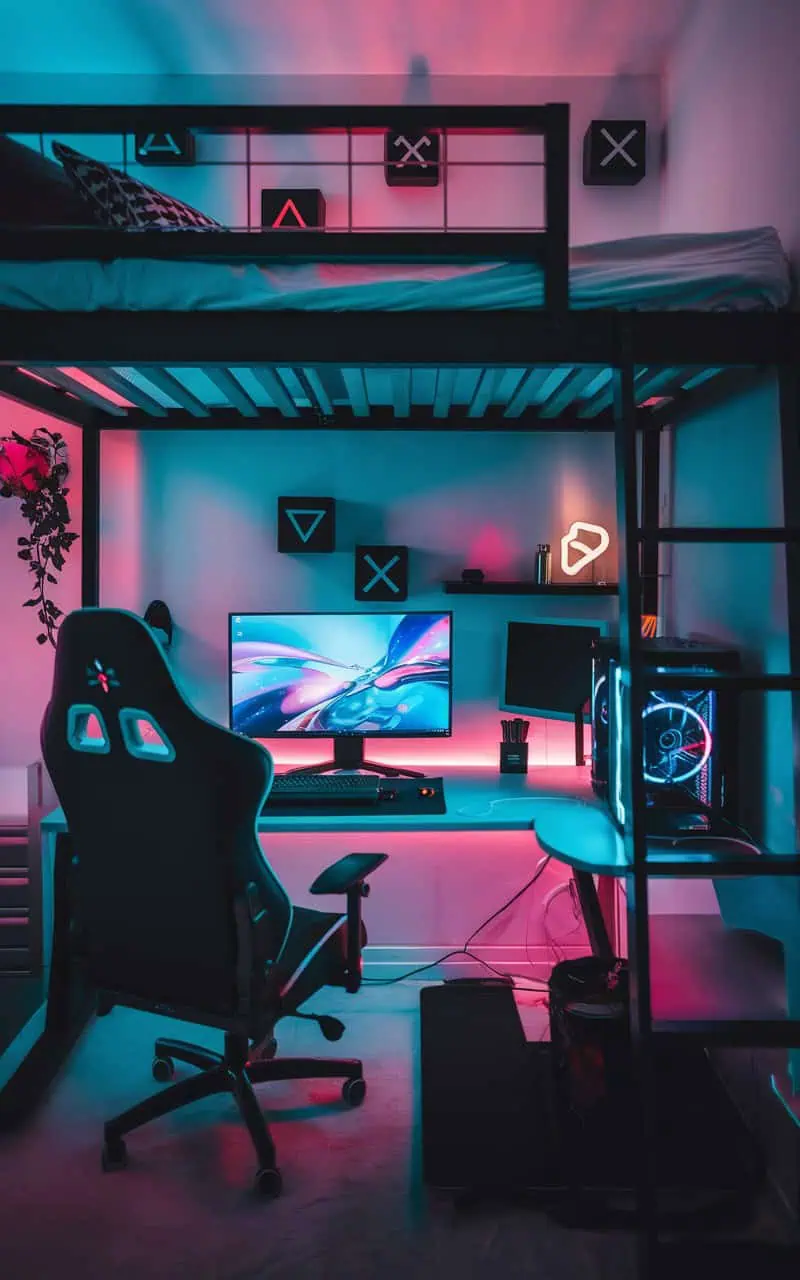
[459,588]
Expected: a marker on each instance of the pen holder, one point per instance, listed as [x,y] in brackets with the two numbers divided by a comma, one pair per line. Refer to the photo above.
[513,757]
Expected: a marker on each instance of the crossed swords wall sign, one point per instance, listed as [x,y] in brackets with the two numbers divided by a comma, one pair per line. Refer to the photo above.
[381,573]
[614,153]
[412,160]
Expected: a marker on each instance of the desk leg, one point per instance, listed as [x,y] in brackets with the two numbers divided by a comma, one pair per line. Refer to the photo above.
[607,896]
[593,914]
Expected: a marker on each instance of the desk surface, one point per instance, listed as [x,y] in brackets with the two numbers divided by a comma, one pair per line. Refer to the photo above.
[556,801]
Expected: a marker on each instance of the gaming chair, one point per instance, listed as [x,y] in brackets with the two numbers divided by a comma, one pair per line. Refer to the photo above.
[177,910]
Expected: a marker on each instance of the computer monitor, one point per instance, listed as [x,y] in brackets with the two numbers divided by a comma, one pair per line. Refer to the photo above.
[346,676]
[549,668]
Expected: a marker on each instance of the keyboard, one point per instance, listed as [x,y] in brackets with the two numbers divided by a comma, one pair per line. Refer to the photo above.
[299,789]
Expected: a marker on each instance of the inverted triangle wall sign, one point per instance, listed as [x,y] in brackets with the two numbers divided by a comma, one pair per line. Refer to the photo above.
[306,533]
[306,523]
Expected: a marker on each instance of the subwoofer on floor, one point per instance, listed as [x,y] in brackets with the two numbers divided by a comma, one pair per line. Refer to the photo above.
[485,1092]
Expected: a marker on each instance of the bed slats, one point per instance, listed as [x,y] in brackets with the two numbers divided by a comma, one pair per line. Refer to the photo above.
[275,388]
[58,378]
[564,397]
[167,383]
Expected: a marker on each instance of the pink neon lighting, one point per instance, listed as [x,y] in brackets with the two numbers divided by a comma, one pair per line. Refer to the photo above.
[706,744]
[99,387]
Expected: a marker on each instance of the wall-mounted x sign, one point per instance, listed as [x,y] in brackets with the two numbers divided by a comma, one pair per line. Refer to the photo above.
[381,573]
[306,525]
[614,153]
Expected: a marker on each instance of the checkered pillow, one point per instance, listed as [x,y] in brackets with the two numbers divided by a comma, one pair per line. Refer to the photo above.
[117,200]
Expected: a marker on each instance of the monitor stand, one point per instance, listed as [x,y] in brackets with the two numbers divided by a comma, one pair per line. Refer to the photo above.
[348,753]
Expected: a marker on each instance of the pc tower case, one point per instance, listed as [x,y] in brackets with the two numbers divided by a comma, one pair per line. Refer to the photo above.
[690,738]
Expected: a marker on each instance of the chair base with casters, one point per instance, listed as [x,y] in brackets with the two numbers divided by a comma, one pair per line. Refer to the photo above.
[228,1072]
[241,1066]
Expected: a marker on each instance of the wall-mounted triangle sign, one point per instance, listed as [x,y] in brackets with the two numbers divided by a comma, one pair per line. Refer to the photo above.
[289,216]
[165,146]
[306,524]
[283,209]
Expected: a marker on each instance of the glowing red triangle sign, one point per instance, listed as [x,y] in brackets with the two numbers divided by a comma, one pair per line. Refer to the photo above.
[289,207]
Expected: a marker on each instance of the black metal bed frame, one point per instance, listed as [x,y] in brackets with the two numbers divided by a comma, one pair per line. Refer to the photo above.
[737,345]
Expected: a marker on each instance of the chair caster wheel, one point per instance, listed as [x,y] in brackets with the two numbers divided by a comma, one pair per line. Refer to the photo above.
[354,1091]
[331,1028]
[114,1155]
[268,1184]
[163,1070]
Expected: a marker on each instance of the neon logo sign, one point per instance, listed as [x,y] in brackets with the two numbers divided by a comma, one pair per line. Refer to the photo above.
[572,541]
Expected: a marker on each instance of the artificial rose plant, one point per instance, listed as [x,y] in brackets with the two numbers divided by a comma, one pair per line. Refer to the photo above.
[34,471]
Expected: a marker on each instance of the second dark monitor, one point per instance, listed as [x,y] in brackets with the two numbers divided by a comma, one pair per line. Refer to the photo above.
[549,667]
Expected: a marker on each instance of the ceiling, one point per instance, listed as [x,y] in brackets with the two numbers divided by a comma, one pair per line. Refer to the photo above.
[339,37]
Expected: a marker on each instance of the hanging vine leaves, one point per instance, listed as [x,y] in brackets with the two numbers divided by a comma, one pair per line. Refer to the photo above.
[34,470]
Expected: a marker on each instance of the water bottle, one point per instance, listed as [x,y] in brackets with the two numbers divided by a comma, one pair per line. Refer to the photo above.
[544,561]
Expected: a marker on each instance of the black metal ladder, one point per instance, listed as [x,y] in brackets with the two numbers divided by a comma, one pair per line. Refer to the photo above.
[784,1033]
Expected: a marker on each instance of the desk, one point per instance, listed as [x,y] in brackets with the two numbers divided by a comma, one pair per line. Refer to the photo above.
[571,825]
[476,800]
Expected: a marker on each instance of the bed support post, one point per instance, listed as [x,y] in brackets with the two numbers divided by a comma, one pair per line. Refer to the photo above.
[651,489]
[90,523]
[789,408]
[634,837]
[556,179]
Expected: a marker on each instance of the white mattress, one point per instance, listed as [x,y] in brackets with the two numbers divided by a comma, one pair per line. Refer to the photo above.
[737,270]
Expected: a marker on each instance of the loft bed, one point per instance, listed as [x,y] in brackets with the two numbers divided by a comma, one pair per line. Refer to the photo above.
[449,328]
[445,329]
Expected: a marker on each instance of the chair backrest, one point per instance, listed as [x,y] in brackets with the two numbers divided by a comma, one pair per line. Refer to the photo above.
[161,805]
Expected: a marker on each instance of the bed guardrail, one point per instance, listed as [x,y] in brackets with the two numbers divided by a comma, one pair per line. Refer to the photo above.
[545,245]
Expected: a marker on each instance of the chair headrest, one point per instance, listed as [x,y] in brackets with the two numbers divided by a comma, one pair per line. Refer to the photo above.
[111,658]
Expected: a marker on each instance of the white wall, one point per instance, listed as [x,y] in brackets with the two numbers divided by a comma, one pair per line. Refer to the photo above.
[347,38]
[26,668]
[732,103]
[190,518]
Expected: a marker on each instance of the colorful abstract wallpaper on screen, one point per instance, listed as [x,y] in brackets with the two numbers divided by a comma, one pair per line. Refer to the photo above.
[328,674]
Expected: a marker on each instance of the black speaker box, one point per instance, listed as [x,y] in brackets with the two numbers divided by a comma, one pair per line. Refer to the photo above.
[485,1092]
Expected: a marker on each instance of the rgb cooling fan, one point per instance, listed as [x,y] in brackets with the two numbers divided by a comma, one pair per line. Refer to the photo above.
[677,742]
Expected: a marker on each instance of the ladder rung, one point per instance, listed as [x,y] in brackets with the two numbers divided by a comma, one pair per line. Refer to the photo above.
[688,680]
[674,864]
[752,1033]
[711,534]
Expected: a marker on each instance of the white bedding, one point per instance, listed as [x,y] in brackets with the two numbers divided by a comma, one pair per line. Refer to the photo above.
[737,270]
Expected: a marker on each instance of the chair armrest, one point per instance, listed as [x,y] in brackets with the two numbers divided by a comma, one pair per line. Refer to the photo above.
[348,876]
[349,871]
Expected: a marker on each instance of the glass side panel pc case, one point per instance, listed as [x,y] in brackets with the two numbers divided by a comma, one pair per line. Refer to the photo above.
[327,675]
[690,738]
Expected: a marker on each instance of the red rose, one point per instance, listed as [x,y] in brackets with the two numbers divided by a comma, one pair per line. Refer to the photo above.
[22,468]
